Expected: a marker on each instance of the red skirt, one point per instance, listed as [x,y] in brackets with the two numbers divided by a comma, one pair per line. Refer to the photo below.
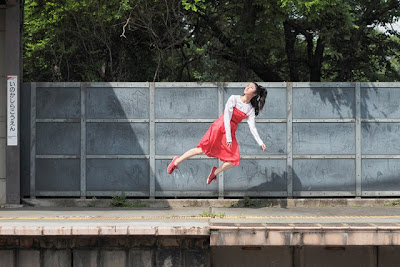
[213,143]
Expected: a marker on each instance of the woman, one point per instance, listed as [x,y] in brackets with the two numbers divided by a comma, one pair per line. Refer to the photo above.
[220,140]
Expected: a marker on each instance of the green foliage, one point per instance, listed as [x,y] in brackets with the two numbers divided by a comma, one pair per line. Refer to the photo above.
[247,201]
[196,5]
[392,204]
[198,40]
[121,201]
[234,204]
[212,214]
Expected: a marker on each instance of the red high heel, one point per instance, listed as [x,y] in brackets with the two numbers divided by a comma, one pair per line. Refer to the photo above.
[172,166]
[212,176]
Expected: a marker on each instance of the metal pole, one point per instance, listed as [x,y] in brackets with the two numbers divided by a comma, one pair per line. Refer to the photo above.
[289,139]
[83,140]
[220,88]
[358,140]
[152,125]
[13,67]
[33,142]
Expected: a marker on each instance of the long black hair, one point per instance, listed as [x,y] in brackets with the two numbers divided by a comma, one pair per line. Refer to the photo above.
[258,101]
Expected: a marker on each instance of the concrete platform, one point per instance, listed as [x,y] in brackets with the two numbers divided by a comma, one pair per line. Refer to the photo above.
[343,226]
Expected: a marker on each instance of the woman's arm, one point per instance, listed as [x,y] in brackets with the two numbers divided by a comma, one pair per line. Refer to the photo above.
[228,111]
[252,125]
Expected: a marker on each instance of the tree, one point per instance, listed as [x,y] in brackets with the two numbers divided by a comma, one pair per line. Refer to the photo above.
[215,40]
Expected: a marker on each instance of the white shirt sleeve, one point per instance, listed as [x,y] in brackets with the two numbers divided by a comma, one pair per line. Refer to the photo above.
[228,111]
[252,125]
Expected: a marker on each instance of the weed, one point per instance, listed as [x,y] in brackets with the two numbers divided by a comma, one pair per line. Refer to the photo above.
[391,204]
[247,202]
[212,214]
[234,204]
[205,214]
[120,201]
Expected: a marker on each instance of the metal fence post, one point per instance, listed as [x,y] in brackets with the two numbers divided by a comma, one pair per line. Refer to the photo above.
[83,140]
[33,142]
[289,138]
[220,112]
[358,139]
[152,143]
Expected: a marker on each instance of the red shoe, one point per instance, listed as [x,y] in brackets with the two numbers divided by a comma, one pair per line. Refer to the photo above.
[172,166]
[212,176]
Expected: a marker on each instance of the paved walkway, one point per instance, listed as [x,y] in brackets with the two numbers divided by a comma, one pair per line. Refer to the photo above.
[199,216]
[231,215]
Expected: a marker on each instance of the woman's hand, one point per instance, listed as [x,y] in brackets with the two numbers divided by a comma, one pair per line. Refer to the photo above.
[229,144]
[263,147]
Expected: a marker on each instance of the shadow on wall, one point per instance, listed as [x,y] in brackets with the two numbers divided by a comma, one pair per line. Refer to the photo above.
[339,102]
[111,145]
[333,102]
[377,101]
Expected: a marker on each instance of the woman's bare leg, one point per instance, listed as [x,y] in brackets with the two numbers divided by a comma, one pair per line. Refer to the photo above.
[188,154]
[224,167]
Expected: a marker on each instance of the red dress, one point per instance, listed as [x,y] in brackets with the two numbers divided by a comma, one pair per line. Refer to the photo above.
[213,143]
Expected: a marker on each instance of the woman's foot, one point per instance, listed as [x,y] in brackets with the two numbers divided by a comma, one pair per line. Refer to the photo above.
[172,166]
[212,175]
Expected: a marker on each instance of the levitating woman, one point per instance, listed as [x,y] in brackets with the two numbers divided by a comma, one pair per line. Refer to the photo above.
[220,140]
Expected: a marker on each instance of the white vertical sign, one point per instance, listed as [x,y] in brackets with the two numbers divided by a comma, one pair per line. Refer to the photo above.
[12,111]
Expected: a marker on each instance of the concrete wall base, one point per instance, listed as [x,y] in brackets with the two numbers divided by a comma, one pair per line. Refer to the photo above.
[182,251]
[105,251]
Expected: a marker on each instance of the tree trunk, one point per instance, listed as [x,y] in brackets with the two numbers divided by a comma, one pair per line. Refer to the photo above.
[315,69]
[248,19]
[290,40]
[347,65]
[314,57]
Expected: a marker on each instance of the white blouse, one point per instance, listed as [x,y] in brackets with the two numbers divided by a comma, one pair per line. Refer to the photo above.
[247,108]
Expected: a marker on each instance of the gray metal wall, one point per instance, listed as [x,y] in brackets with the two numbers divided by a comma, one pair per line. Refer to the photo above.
[98,139]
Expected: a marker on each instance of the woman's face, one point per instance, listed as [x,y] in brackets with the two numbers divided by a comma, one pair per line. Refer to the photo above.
[250,90]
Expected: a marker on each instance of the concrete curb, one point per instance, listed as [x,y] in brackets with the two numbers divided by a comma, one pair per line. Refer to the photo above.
[216,203]
[306,236]
[231,235]
[107,230]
